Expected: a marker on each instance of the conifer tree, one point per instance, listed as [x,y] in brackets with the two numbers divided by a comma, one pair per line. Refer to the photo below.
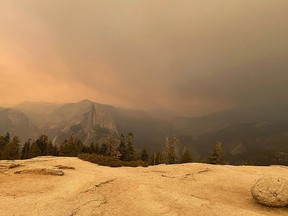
[42,143]
[159,158]
[112,145]
[96,148]
[91,148]
[217,154]
[186,157]
[103,149]
[4,140]
[122,148]
[7,137]
[72,147]
[34,150]
[26,150]
[55,150]
[170,150]
[130,150]
[50,149]
[63,151]
[173,151]
[144,155]
[11,150]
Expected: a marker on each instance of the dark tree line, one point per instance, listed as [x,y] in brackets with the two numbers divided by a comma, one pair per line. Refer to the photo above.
[123,151]
[39,147]
[10,149]
[170,154]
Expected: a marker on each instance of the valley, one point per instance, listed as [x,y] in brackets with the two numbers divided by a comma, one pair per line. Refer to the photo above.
[255,135]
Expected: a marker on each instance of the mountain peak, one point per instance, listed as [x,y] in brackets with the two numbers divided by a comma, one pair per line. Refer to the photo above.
[98,117]
[86,101]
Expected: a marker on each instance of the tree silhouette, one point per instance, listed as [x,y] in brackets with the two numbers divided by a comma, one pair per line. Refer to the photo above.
[217,154]
[103,149]
[25,150]
[34,150]
[11,150]
[144,155]
[122,148]
[186,157]
[4,140]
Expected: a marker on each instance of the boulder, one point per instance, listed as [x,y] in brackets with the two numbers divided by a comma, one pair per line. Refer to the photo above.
[271,191]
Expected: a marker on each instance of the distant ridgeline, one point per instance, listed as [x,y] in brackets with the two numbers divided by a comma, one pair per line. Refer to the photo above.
[255,135]
[114,152]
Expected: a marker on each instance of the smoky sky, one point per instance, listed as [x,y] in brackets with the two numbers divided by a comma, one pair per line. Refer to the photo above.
[187,56]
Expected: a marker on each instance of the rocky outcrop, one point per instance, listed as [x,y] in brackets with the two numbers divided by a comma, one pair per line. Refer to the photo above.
[8,165]
[271,191]
[44,171]
[182,189]
[65,167]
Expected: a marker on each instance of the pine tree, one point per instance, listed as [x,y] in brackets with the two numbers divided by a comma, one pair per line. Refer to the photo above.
[7,137]
[96,148]
[170,150]
[63,150]
[55,150]
[42,143]
[217,154]
[103,150]
[159,158]
[26,150]
[73,147]
[112,146]
[4,140]
[91,148]
[186,157]
[122,148]
[34,150]
[11,150]
[50,149]
[130,150]
[144,155]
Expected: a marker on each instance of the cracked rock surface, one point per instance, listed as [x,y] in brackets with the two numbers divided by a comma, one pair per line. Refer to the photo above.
[170,190]
[271,191]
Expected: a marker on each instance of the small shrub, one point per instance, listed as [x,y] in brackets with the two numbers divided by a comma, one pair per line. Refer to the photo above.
[109,161]
[135,163]
[101,160]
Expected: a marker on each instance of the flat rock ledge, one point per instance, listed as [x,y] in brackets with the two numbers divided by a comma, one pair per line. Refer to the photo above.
[271,191]
[65,167]
[8,165]
[54,172]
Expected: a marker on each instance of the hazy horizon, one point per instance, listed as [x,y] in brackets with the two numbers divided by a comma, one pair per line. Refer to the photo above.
[186,57]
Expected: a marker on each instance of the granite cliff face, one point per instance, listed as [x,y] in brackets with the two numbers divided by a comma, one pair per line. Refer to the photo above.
[17,124]
[98,117]
[89,121]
